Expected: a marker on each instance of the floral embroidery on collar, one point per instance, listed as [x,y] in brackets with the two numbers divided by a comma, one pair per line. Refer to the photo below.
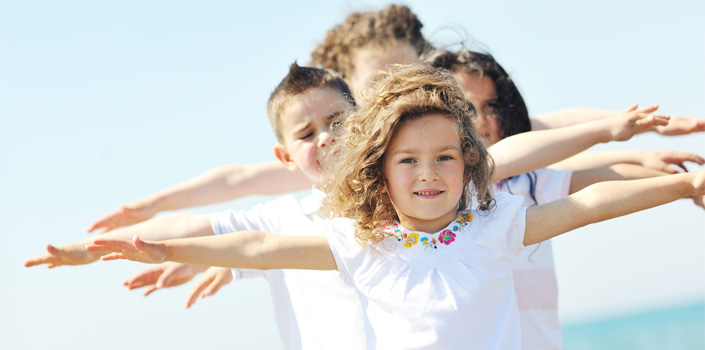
[446,236]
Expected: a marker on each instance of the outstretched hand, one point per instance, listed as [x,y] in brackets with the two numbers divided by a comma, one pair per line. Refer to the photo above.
[168,274]
[73,254]
[127,214]
[212,280]
[135,250]
[681,125]
[633,122]
[661,160]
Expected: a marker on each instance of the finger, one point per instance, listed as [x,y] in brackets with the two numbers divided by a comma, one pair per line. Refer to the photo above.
[649,109]
[138,243]
[218,282]
[144,278]
[114,256]
[668,169]
[39,260]
[633,107]
[149,290]
[197,289]
[166,280]
[681,165]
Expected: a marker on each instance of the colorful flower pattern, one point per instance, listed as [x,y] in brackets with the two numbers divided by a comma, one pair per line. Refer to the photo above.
[446,237]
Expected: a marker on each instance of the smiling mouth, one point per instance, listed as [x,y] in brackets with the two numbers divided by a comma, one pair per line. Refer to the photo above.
[428,193]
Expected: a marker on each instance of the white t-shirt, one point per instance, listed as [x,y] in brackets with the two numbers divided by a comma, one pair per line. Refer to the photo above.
[534,271]
[313,309]
[452,289]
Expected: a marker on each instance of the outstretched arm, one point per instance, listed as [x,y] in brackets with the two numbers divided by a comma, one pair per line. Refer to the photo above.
[246,249]
[657,160]
[218,185]
[679,125]
[528,151]
[607,200]
[161,228]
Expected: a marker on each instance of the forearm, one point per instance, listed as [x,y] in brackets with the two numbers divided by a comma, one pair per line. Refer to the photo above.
[588,160]
[603,201]
[529,151]
[617,172]
[227,183]
[179,225]
[253,250]
[568,117]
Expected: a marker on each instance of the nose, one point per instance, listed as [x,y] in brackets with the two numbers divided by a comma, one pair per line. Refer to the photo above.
[428,172]
[325,138]
[481,120]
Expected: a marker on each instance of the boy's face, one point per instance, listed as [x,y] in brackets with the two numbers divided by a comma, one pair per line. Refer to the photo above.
[370,60]
[306,129]
[423,171]
[482,92]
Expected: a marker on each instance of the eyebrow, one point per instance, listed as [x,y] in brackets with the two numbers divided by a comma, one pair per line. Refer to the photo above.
[413,150]
[333,115]
[301,128]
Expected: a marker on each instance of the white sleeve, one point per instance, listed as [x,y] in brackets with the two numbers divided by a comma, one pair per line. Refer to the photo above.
[263,217]
[553,184]
[340,234]
[509,218]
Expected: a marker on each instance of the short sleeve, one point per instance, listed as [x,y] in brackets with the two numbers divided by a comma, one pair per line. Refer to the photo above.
[262,217]
[340,234]
[509,216]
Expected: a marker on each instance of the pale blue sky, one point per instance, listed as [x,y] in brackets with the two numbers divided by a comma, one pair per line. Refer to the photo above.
[102,104]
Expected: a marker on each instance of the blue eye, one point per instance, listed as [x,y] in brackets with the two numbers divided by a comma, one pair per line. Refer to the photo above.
[408,161]
[442,158]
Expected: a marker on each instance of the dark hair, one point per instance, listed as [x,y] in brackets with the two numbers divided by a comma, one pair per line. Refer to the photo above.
[392,25]
[297,81]
[513,114]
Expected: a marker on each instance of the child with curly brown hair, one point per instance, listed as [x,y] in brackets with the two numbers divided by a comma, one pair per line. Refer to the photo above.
[430,272]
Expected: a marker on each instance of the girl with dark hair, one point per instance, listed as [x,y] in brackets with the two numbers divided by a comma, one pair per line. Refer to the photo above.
[503,113]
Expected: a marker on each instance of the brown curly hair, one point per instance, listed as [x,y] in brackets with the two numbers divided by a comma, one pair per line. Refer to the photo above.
[392,25]
[354,174]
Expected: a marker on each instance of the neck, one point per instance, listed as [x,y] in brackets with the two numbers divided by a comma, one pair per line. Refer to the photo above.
[427,225]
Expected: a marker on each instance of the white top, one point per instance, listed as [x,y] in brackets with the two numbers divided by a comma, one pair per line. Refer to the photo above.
[447,290]
[534,271]
[313,309]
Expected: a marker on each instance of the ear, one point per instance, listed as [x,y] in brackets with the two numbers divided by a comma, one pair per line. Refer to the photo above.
[384,186]
[281,153]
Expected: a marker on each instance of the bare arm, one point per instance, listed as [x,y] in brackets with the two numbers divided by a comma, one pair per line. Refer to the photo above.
[528,151]
[568,117]
[218,185]
[607,200]
[658,160]
[245,249]
[161,228]
[679,125]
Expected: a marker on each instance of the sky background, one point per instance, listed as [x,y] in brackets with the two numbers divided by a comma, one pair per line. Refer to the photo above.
[104,103]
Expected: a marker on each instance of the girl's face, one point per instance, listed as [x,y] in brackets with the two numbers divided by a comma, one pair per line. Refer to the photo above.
[482,92]
[423,172]
[372,59]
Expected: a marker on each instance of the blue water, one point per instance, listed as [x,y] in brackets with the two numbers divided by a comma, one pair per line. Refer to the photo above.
[680,327]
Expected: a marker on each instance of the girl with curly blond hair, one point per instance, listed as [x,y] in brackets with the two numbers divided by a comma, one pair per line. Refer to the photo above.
[430,272]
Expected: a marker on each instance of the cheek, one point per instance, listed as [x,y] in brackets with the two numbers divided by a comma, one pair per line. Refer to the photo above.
[495,130]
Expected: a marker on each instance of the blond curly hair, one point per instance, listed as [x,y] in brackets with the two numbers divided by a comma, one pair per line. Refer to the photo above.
[392,25]
[355,173]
